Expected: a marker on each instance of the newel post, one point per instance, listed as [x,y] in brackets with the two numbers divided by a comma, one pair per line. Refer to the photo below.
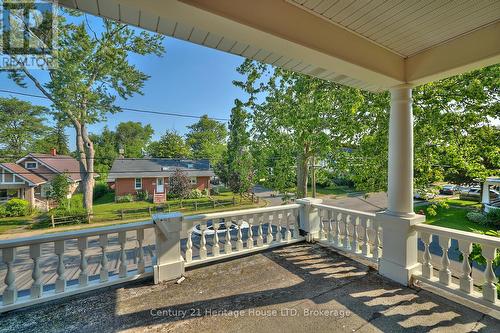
[309,218]
[399,239]
[169,261]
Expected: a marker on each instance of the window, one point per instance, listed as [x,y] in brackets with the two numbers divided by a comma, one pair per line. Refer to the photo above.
[192,181]
[31,165]
[138,183]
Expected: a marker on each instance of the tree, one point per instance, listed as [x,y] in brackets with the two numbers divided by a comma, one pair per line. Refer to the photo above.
[207,139]
[55,138]
[133,137]
[20,123]
[170,145]
[106,150]
[179,184]
[59,188]
[314,116]
[93,70]
[236,167]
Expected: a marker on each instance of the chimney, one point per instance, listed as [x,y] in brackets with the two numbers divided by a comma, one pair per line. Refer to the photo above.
[53,151]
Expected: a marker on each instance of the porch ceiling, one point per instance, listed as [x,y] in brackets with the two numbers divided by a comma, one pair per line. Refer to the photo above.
[373,45]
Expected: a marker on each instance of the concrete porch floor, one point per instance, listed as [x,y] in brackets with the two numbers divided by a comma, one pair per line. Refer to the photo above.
[291,289]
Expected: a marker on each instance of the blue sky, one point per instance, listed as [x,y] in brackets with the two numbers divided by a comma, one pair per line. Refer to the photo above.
[188,79]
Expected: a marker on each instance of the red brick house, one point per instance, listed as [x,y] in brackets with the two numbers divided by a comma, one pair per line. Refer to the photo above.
[133,175]
[29,177]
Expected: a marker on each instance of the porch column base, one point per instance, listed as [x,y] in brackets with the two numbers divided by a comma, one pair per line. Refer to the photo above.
[399,246]
[169,261]
[309,217]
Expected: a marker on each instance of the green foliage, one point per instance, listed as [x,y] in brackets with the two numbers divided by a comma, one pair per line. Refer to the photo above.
[17,207]
[20,124]
[142,195]
[493,217]
[477,217]
[100,189]
[179,184]
[195,194]
[133,138]
[207,139]
[170,145]
[55,137]
[125,198]
[59,188]
[3,211]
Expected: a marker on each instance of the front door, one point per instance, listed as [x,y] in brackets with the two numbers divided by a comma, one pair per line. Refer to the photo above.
[160,187]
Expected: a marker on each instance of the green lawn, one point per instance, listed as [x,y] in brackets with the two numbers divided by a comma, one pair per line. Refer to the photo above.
[331,190]
[455,218]
[10,223]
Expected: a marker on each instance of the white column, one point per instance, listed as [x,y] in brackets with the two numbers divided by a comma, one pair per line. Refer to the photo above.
[400,178]
[399,239]
[486,193]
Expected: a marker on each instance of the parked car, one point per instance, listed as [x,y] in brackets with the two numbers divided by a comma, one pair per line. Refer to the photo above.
[448,189]
[474,193]
[423,194]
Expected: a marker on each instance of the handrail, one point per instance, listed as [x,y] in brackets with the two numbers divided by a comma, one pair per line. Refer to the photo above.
[243,212]
[459,235]
[74,234]
[343,210]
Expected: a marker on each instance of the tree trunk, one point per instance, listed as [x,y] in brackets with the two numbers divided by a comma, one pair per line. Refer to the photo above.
[86,153]
[302,171]
[313,176]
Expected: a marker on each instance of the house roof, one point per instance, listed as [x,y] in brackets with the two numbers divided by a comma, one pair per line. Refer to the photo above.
[58,164]
[24,173]
[158,167]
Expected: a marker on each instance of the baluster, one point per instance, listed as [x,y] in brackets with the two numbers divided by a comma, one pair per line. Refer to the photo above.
[346,241]
[260,237]
[322,216]
[215,245]
[296,227]
[250,232]
[103,243]
[444,272]
[329,230]
[122,239]
[203,240]
[279,217]
[288,233]
[338,220]
[140,240]
[10,293]
[427,271]
[465,280]
[37,287]
[239,235]
[489,288]
[228,247]
[377,249]
[83,278]
[355,235]
[365,248]
[60,285]
[270,219]
[189,246]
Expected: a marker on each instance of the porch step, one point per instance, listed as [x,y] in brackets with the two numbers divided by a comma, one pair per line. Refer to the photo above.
[159,198]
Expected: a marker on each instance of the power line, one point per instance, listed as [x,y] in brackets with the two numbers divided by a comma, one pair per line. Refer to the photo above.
[161,113]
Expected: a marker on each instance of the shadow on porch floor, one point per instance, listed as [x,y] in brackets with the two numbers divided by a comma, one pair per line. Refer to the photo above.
[292,289]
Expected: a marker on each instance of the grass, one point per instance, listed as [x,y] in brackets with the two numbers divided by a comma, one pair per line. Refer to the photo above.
[10,223]
[331,190]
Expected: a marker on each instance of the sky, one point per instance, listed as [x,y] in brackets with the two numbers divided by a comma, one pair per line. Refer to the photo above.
[188,79]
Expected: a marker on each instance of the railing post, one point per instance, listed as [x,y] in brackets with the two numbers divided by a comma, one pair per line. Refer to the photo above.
[309,217]
[399,244]
[169,261]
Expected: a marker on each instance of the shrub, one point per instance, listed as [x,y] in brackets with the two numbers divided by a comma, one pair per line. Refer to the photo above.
[17,207]
[63,211]
[59,188]
[142,195]
[195,194]
[3,212]
[100,189]
[215,191]
[493,216]
[477,217]
[125,198]
[206,192]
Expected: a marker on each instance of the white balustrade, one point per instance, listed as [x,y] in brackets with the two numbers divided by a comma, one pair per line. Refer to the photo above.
[349,230]
[460,278]
[270,222]
[71,250]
